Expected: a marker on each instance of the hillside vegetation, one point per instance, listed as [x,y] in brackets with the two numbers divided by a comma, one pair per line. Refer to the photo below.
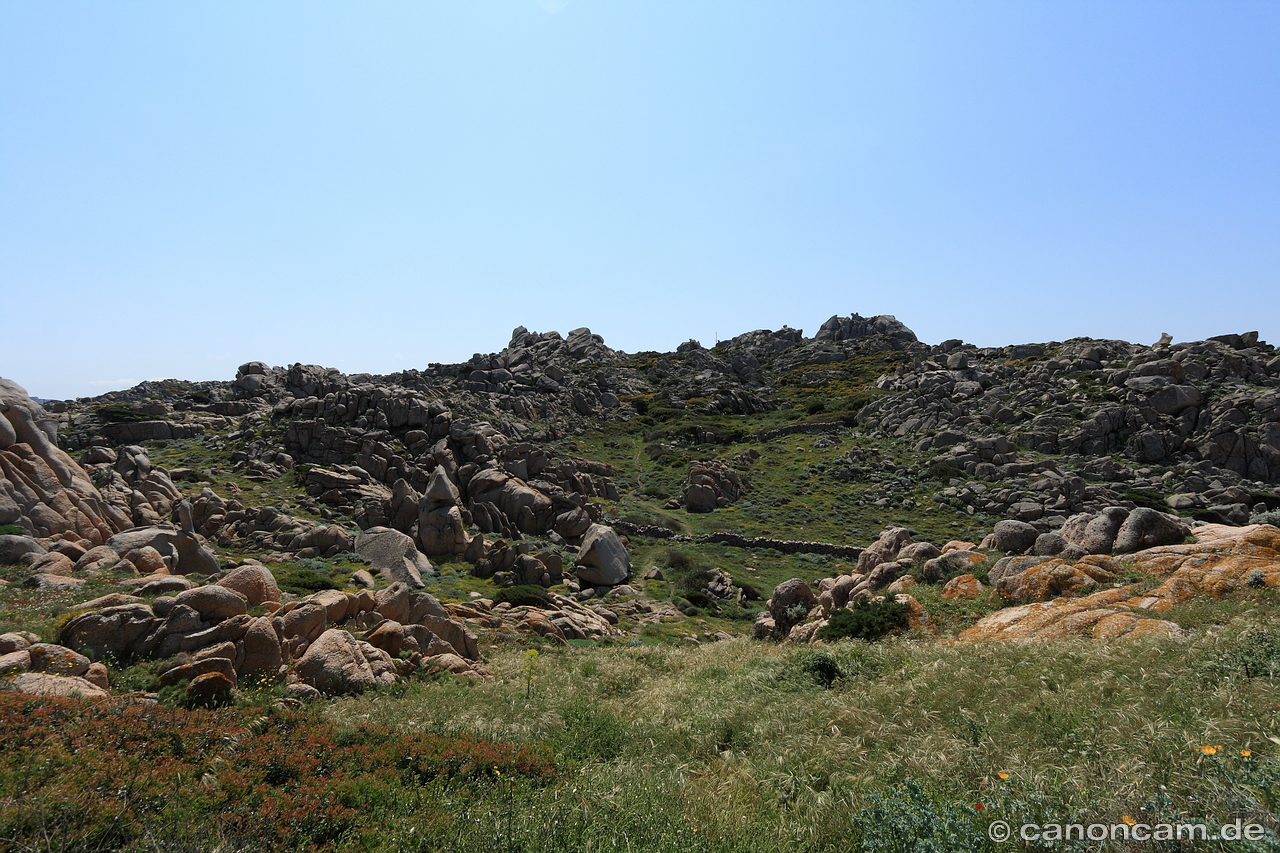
[784,593]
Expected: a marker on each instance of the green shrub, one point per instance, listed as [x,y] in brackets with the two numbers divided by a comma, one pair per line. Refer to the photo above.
[1271,516]
[820,668]
[1145,498]
[525,595]
[1257,653]
[865,620]
[304,577]
[11,530]
[908,819]
[943,471]
[121,413]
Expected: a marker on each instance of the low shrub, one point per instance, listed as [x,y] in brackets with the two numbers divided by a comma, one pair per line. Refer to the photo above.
[820,668]
[525,595]
[865,620]
[1256,653]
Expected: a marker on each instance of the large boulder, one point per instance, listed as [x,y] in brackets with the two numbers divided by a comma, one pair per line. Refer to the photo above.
[109,632]
[401,604]
[45,684]
[440,526]
[395,555]
[790,604]
[185,549]
[258,651]
[1147,528]
[885,549]
[602,558]
[1096,534]
[338,663]
[12,549]
[214,603]
[255,582]
[1012,537]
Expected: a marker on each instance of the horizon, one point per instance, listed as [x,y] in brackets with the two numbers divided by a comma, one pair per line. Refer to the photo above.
[188,189]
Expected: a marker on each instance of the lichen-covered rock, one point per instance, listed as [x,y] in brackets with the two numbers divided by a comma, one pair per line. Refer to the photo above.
[963,588]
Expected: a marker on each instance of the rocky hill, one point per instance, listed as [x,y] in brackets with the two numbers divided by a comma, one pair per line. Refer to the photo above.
[235,528]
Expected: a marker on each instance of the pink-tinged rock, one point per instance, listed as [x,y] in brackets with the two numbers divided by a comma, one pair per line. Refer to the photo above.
[211,688]
[97,675]
[214,603]
[57,660]
[337,605]
[306,621]
[17,661]
[44,684]
[255,583]
[111,599]
[258,651]
[148,561]
[338,663]
[190,671]
[53,563]
[13,642]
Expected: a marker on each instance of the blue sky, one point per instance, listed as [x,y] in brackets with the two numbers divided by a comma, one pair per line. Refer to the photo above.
[377,186]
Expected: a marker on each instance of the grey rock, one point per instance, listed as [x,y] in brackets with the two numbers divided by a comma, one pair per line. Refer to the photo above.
[394,555]
[602,558]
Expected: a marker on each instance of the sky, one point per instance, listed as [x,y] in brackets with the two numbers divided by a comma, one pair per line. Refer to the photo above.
[379,186]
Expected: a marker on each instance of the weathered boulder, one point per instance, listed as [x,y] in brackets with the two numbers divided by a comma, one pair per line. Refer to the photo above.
[12,549]
[885,549]
[963,588]
[42,489]
[1053,578]
[338,663]
[440,526]
[401,604]
[394,555]
[185,549]
[602,558]
[214,603]
[1096,534]
[1012,537]
[57,660]
[1147,528]
[255,582]
[111,631]
[790,604]
[44,684]
[940,568]
[711,484]
[258,652]
[13,642]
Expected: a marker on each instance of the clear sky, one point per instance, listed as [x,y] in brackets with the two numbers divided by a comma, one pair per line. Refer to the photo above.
[375,186]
